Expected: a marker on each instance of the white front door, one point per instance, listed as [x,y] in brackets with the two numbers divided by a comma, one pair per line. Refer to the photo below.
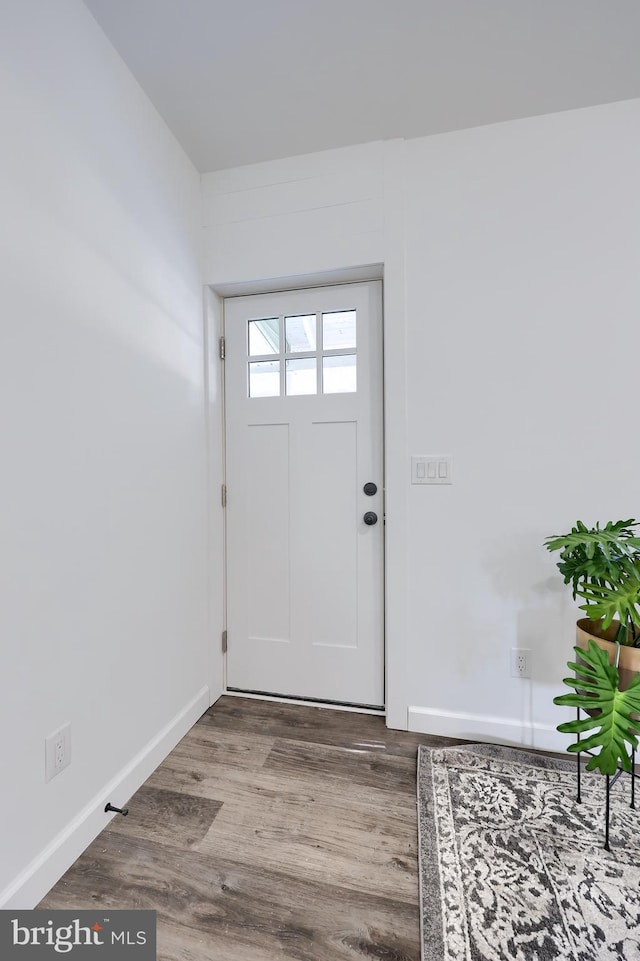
[303,395]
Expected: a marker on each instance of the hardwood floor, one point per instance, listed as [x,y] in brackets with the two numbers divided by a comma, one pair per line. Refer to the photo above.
[271,831]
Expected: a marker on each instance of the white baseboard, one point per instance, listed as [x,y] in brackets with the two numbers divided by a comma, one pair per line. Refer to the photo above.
[485,727]
[41,874]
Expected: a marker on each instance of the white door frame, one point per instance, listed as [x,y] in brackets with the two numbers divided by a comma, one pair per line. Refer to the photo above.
[395,448]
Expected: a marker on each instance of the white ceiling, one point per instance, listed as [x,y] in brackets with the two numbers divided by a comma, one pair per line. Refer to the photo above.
[240,81]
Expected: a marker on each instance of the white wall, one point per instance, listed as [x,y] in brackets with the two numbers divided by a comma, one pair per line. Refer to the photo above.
[103,575]
[511,300]
[522,252]
[289,217]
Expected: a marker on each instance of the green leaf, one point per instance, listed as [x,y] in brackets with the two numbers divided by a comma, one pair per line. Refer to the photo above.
[618,535]
[602,565]
[576,727]
[596,688]
[618,597]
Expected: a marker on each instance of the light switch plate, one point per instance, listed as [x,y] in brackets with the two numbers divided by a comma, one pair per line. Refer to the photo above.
[432,469]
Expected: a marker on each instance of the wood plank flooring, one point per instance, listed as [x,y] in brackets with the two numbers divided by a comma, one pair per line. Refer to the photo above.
[272,831]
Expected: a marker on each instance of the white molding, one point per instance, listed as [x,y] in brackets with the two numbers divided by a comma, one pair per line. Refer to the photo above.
[395,438]
[216,523]
[325,278]
[487,728]
[31,885]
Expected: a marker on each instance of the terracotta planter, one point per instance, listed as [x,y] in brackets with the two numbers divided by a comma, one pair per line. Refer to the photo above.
[629,663]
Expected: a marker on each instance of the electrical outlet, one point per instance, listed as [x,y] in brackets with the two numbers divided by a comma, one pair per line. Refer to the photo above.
[520,662]
[57,751]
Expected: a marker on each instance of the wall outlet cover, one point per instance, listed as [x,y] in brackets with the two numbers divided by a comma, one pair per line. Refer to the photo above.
[520,662]
[57,751]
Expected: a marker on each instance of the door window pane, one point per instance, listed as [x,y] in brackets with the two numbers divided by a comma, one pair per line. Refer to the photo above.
[339,374]
[300,333]
[264,379]
[339,330]
[264,336]
[301,376]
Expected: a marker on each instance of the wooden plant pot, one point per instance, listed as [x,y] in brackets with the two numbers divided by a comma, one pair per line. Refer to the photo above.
[629,663]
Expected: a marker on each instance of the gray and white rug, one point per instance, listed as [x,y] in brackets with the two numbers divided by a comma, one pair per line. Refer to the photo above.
[511,867]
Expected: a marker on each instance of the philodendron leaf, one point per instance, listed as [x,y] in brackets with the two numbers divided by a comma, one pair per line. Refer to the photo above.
[596,689]
[614,596]
[620,535]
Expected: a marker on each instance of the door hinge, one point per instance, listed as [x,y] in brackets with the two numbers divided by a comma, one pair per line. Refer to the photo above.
[223,348]
[223,496]
[224,642]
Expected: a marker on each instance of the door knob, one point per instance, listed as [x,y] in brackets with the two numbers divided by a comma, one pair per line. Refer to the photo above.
[370,489]
[370,518]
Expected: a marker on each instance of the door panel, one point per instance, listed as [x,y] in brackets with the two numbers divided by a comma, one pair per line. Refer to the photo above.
[332,587]
[303,394]
[268,571]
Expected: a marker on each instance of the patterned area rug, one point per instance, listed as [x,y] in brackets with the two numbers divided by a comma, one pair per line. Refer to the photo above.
[511,867]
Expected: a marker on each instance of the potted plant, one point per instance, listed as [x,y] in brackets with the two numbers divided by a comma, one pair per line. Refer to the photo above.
[602,564]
